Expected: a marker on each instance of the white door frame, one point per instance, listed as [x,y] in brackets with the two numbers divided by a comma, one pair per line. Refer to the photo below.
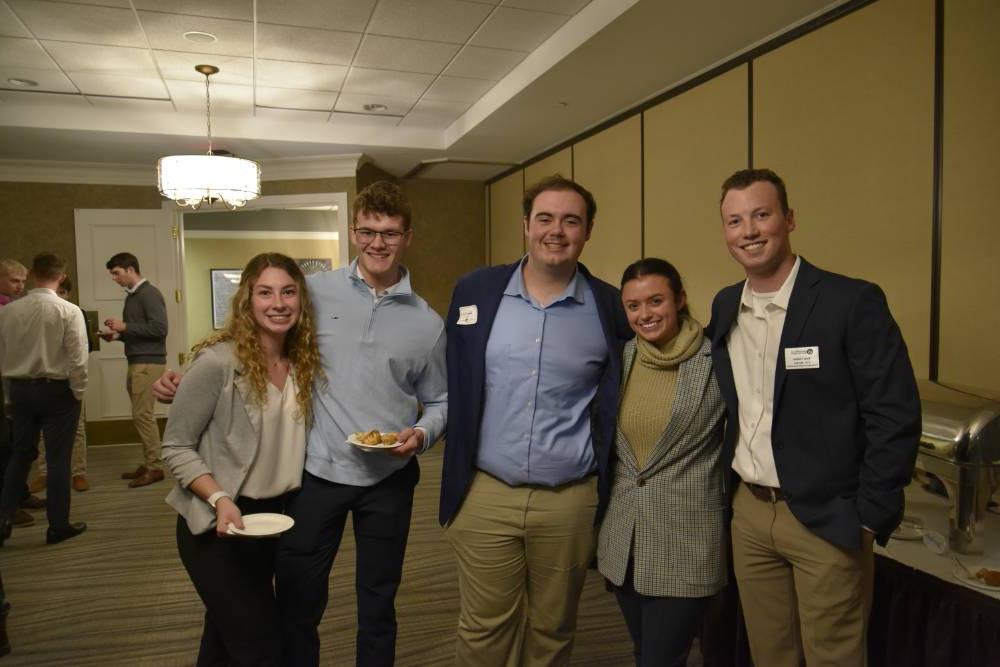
[311,200]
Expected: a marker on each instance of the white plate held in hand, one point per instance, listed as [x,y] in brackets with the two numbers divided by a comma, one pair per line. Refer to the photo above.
[264,524]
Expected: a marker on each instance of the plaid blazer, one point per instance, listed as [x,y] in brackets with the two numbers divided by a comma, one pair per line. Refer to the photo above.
[670,515]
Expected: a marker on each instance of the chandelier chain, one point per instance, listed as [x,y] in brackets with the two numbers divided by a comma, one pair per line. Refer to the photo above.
[208,113]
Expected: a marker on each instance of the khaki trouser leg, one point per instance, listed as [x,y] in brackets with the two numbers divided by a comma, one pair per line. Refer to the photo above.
[79,448]
[487,536]
[561,540]
[784,571]
[139,383]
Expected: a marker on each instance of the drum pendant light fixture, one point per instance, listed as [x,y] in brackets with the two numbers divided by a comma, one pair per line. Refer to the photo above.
[192,180]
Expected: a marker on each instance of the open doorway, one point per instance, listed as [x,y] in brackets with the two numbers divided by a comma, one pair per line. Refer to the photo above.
[216,244]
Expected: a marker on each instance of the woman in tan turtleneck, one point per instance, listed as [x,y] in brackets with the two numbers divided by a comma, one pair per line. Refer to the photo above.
[661,541]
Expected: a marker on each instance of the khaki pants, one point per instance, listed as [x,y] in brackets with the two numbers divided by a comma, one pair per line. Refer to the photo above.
[522,557]
[803,598]
[79,449]
[139,384]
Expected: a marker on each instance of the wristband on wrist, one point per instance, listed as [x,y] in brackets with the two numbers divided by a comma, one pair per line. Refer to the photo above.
[216,497]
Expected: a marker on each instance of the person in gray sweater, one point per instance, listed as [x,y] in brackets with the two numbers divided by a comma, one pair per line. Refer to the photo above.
[143,330]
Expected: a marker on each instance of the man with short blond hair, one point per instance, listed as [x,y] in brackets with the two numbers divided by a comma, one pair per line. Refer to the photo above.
[43,358]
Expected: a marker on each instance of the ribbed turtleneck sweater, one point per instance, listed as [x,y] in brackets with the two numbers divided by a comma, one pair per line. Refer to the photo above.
[648,398]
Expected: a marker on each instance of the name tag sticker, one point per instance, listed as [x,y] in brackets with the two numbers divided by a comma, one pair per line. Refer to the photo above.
[468,314]
[801,357]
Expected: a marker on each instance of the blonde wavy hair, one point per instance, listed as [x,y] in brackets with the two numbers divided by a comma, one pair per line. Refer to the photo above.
[300,344]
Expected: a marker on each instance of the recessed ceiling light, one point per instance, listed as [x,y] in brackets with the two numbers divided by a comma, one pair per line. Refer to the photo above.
[200,37]
[24,83]
[376,107]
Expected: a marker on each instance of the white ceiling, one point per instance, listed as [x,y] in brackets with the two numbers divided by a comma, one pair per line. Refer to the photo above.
[490,80]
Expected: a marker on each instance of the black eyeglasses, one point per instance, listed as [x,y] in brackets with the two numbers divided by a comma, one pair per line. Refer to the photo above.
[389,237]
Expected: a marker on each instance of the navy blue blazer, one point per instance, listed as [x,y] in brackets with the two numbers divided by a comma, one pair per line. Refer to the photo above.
[844,435]
[467,377]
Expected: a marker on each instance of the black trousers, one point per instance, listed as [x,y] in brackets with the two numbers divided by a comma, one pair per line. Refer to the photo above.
[49,407]
[381,520]
[661,628]
[234,577]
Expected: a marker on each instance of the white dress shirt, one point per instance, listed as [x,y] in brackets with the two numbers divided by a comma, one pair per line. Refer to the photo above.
[753,346]
[43,336]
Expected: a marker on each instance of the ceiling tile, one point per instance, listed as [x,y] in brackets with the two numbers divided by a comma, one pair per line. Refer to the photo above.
[404,85]
[293,115]
[303,76]
[517,29]
[9,25]
[437,20]
[25,53]
[123,104]
[405,55]
[356,104]
[350,15]
[241,10]
[97,59]
[132,85]
[454,89]
[79,23]
[165,32]
[277,42]
[287,98]
[106,3]
[567,7]
[66,102]
[477,62]
[434,113]
[190,96]
[51,80]
[363,120]
[180,66]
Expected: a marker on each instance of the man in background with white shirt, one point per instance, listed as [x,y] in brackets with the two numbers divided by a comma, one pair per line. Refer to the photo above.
[43,360]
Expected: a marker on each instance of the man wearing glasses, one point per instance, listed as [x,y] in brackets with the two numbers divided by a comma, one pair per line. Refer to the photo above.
[383,351]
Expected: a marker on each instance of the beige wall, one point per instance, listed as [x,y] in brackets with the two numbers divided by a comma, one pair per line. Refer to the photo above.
[201,255]
[682,176]
[970,303]
[846,114]
[557,163]
[506,229]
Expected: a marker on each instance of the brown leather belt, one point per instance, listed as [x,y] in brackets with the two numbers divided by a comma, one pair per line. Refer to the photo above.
[768,494]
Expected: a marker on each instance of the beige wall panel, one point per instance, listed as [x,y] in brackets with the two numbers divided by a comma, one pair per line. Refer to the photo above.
[692,143]
[506,230]
[609,164]
[203,255]
[970,303]
[844,115]
[557,163]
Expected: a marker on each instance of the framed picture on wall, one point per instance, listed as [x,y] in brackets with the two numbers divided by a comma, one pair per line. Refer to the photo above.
[224,284]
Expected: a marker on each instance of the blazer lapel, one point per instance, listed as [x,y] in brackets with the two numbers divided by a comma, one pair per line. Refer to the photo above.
[628,357]
[693,373]
[249,400]
[800,305]
[729,309]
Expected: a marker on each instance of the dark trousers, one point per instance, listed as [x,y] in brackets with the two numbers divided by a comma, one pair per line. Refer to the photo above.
[381,520]
[662,628]
[234,577]
[49,407]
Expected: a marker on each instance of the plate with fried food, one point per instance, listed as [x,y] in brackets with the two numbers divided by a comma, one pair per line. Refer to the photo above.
[987,579]
[374,439]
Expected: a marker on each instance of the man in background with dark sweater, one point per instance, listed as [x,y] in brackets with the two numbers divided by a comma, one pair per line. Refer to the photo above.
[143,329]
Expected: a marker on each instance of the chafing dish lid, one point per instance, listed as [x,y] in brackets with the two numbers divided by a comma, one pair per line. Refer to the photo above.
[959,425]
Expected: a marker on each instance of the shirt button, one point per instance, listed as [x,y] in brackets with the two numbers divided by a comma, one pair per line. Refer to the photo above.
[534,372]
[538,340]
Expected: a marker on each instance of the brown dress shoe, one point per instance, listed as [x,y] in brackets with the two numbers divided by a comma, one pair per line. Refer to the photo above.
[135,474]
[80,483]
[22,519]
[37,485]
[150,477]
[33,503]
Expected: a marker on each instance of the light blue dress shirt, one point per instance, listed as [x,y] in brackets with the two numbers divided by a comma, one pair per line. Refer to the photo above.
[543,366]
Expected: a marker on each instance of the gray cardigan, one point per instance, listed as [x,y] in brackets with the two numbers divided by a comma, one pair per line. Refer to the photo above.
[670,514]
[214,427]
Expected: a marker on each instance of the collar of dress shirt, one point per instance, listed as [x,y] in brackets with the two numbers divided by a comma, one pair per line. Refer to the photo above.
[576,289]
[400,287]
[131,290]
[781,297]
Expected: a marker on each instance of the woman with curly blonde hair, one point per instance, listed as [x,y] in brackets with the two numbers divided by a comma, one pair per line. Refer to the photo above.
[235,442]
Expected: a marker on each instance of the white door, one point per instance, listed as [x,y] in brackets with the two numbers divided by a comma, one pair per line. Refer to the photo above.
[150,236]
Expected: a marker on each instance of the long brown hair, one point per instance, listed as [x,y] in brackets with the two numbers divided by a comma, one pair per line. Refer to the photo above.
[300,343]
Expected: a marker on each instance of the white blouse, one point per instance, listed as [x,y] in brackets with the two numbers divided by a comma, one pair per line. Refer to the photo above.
[278,466]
